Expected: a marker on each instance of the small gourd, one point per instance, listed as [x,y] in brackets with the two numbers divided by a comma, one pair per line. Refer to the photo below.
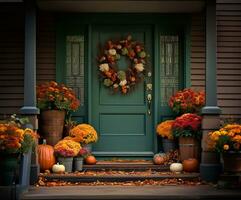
[176,167]
[57,168]
[159,158]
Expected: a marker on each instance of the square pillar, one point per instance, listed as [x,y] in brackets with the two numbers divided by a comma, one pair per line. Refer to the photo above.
[210,166]
[29,108]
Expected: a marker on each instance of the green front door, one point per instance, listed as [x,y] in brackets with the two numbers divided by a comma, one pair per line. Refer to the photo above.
[125,127]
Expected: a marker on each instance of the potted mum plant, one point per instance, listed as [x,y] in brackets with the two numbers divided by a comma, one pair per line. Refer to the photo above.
[54,101]
[85,134]
[164,130]
[187,129]
[187,101]
[65,150]
[78,160]
[227,141]
[14,141]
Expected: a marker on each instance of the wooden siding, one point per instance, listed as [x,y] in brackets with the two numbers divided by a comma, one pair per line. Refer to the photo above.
[198,57]
[229,57]
[46,59]
[11,58]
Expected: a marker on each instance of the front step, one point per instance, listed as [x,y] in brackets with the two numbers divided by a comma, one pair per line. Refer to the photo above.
[126,166]
[118,176]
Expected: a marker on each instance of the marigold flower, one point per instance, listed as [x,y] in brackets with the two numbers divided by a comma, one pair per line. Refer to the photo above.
[226,147]
[228,135]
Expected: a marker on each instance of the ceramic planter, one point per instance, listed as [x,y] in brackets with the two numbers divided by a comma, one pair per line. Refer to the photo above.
[8,167]
[67,162]
[232,161]
[78,163]
[168,145]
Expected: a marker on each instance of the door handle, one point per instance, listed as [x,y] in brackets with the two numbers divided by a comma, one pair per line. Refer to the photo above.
[149,99]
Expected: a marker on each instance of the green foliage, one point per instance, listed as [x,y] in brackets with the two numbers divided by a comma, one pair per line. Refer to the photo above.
[186,133]
[27,143]
[223,140]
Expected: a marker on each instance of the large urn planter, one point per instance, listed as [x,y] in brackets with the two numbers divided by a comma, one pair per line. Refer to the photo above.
[8,167]
[232,162]
[52,124]
[189,147]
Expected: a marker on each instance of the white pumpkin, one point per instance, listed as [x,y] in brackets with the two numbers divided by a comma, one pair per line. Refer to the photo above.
[57,168]
[176,167]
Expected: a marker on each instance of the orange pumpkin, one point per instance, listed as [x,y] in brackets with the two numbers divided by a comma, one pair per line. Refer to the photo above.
[159,159]
[46,157]
[190,165]
[90,160]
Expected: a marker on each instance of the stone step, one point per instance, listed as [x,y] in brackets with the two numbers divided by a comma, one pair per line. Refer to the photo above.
[126,166]
[229,180]
[181,192]
[118,176]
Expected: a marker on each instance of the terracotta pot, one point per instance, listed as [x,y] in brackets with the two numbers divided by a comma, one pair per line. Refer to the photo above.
[51,125]
[232,161]
[190,165]
[189,147]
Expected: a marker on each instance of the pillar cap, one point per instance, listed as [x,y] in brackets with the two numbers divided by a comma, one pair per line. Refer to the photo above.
[29,110]
[211,110]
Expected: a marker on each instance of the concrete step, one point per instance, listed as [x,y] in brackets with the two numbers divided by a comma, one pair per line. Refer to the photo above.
[134,166]
[181,192]
[229,180]
[118,176]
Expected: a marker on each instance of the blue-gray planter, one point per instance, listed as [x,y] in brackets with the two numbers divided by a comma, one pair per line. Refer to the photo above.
[67,162]
[168,145]
[78,163]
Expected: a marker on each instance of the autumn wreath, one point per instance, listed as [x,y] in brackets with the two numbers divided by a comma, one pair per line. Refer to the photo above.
[120,80]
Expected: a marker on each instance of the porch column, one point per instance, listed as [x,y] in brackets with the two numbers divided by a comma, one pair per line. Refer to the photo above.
[210,167]
[29,108]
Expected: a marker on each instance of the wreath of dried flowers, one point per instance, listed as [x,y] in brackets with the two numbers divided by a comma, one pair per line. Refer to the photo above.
[120,80]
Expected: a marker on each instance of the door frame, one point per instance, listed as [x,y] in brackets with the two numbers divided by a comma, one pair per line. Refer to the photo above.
[162,23]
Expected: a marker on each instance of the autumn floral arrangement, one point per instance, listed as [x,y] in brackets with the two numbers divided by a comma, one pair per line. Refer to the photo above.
[67,148]
[54,96]
[187,125]
[84,152]
[120,80]
[187,101]
[15,140]
[83,133]
[164,129]
[226,139]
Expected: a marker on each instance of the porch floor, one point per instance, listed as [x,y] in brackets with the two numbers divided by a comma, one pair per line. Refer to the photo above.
[131,192]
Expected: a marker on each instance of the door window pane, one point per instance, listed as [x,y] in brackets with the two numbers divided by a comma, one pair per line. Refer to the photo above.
[75,65]
[169,61]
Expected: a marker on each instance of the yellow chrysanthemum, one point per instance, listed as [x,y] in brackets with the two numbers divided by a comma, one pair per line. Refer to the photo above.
[85,133]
